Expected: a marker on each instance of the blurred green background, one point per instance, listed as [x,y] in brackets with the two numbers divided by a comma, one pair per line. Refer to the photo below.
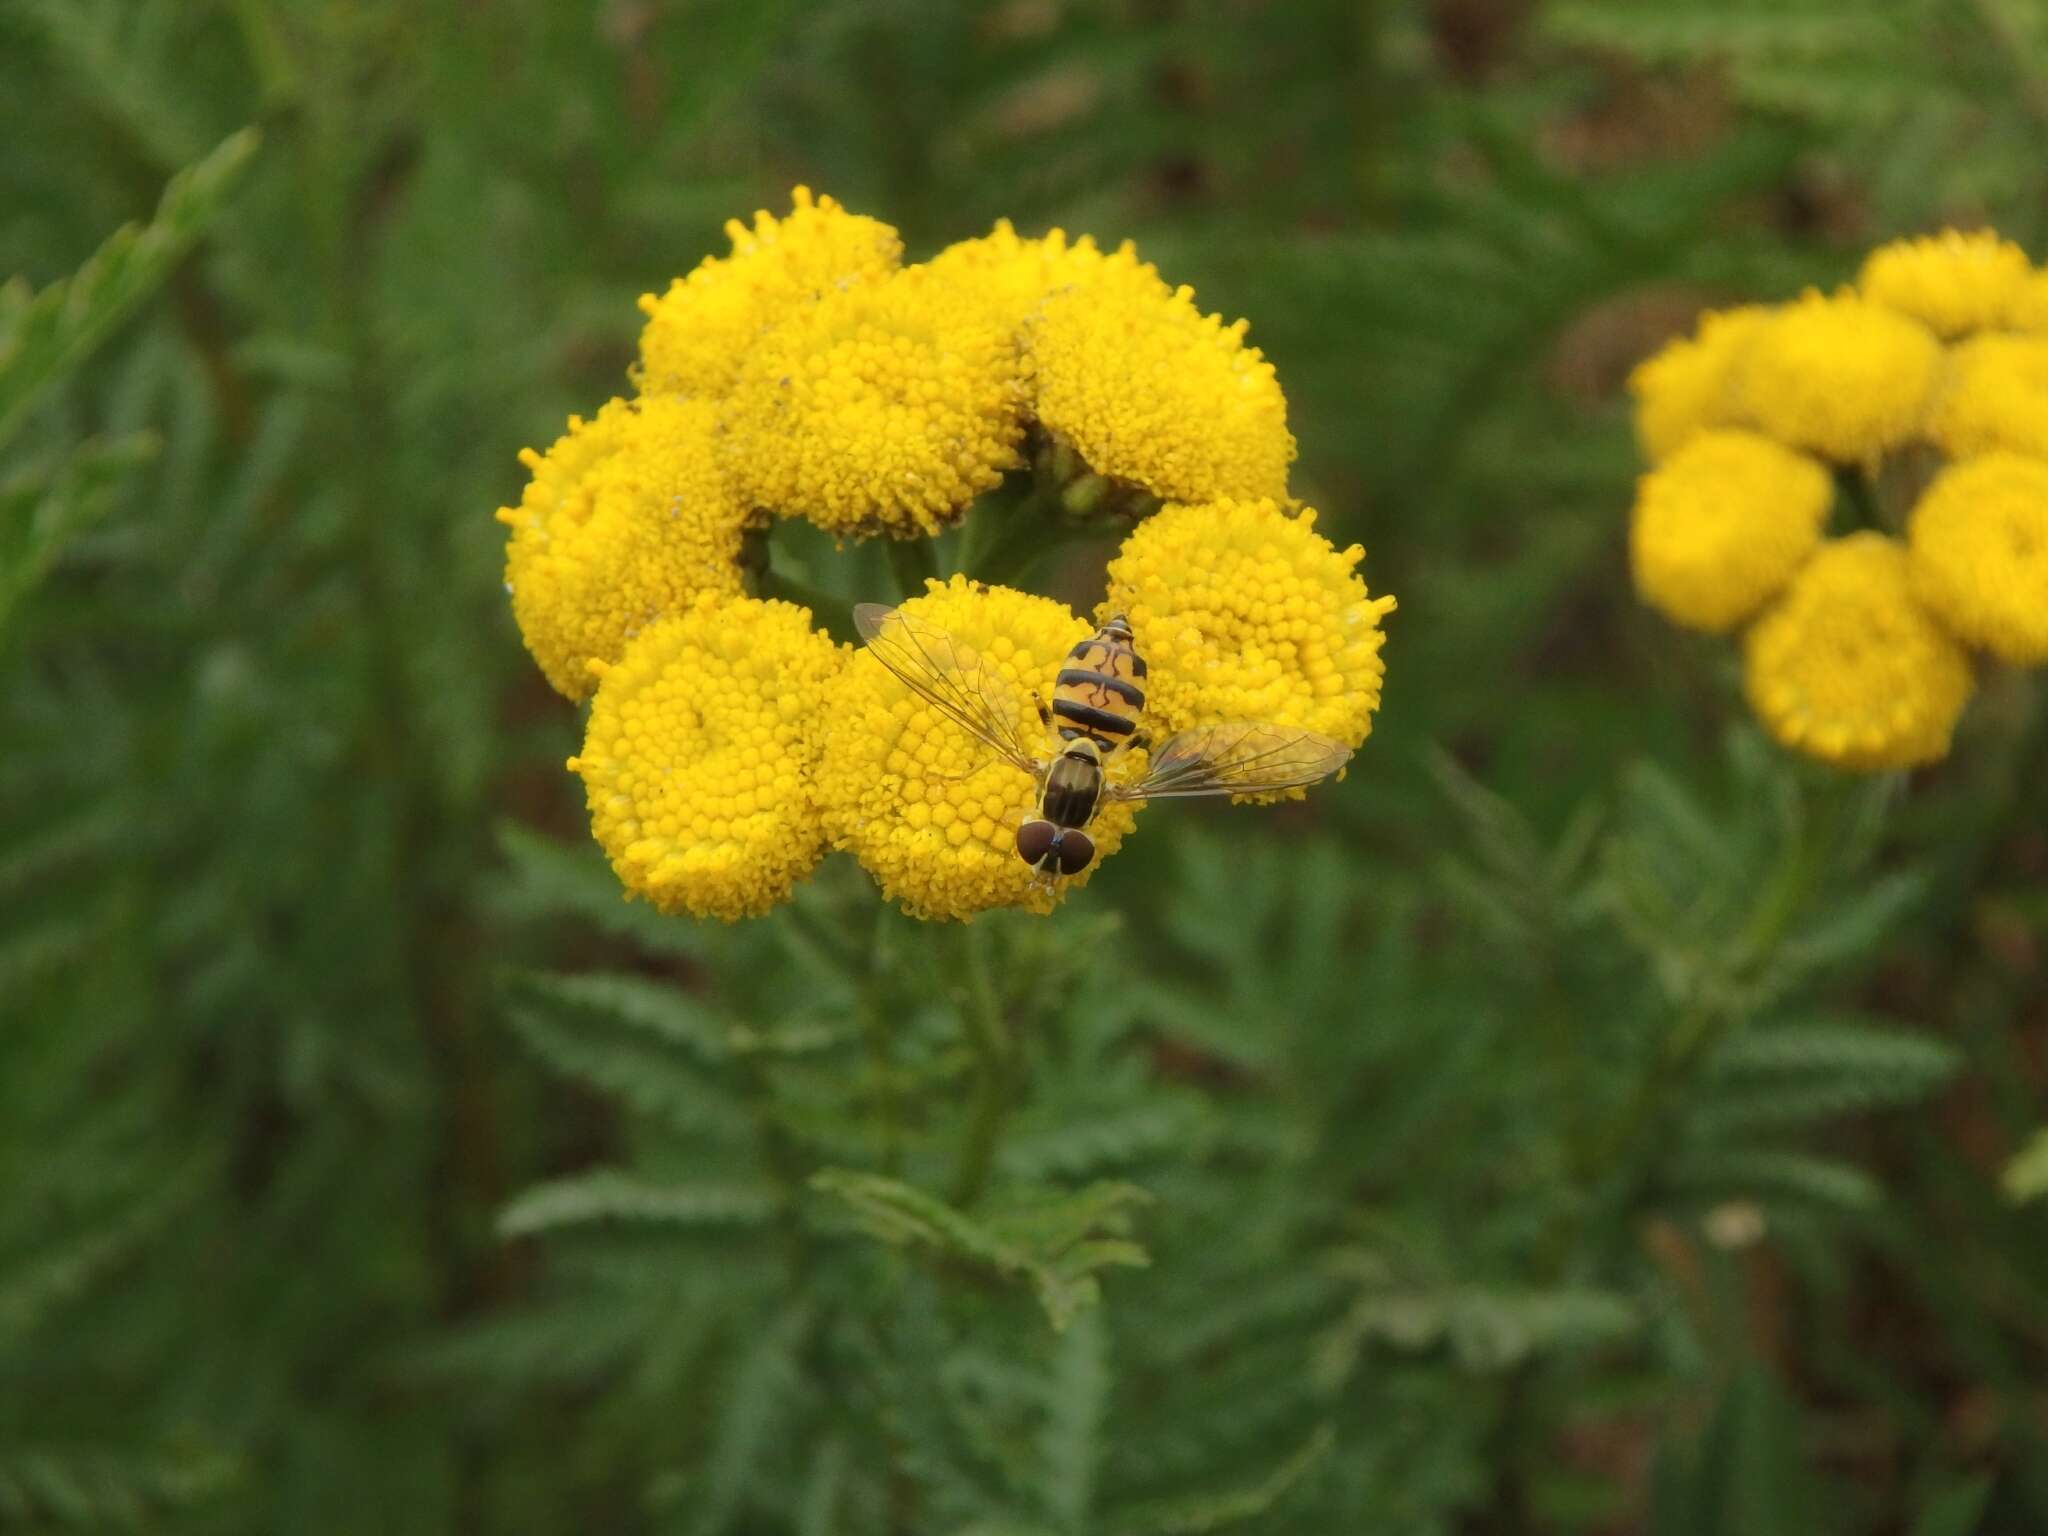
[281,798]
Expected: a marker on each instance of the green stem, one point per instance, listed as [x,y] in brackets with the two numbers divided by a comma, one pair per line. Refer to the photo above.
[1706,1020]
[878,1030]
[993,1057]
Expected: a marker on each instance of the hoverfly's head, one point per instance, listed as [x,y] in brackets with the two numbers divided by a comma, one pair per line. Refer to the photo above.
[1118,627]
[1054,850]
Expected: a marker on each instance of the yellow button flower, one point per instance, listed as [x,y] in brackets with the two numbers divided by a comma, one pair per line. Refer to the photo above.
[1014,273]
[1840,376]
[1684,388]
[1979,539]
[699,753]
[1953,283]
[1245,613]
[886,407]
[626,517]
[1850,669]
[1155,394]
[1721,526]
[2030,304]
[1995,396]
[698,332]
[928,810]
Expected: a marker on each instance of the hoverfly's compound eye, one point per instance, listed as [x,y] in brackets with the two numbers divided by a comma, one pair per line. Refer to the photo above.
[1076,849]
[1034,841]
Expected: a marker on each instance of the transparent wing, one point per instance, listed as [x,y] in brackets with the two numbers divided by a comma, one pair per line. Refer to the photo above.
[951,676]
[1234,759]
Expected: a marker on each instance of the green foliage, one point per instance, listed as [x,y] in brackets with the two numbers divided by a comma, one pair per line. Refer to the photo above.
[1564,1124]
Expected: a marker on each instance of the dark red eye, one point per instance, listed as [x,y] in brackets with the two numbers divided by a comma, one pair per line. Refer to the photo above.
[1034,840]
[1076,849]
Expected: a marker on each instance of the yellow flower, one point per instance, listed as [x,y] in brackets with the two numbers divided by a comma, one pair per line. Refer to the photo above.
[1721,526]
[1951,282]
[1152,392]
[1684,388]
[2030,304]
[1979,538]
[1841,376]
[884,408]
[1995,396]
[700,330]
[1848,668]
[625,519]
[1244,613]
[1015,274]
[699,755]
[928,810]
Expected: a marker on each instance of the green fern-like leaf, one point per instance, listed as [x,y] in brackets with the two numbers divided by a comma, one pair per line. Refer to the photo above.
[44,337]
[608,1196]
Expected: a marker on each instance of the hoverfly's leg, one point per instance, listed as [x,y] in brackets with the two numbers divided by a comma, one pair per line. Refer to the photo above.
[1141,742]
[1044,714]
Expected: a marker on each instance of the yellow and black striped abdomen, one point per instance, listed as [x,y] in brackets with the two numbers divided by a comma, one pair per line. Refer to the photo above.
[1101,688]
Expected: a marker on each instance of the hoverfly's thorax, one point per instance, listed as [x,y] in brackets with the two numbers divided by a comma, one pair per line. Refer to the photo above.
[1100,692]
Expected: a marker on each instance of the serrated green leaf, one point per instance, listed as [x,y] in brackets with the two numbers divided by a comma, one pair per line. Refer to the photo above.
[606,1195]
[1201,1513]
[52,333]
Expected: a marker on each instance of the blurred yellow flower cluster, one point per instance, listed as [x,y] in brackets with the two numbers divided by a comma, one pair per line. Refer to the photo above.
[1910,411]
[810,374]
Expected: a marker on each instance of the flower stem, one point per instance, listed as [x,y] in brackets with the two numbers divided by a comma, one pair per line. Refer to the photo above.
[993,1059]
[878,1029]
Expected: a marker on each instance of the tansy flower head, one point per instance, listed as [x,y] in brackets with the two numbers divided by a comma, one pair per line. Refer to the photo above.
[626,518]
[1684,388]
[1721,526]
[700,330]
[2030,304]
[929,810]
[1995,396]
[1155,394]
[884,407]
[699,752]
[1840,376]
[1245,613]
[1014,274]
[1979,540]
[1850,669]
[1952,283]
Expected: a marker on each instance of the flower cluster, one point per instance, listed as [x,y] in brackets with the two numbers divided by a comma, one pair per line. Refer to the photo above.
[810,374]
[1911,412]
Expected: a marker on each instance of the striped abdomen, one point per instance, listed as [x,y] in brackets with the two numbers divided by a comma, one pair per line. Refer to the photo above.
[1100,691]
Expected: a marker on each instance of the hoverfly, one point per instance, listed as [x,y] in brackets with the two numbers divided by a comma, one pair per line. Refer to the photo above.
[1097,708]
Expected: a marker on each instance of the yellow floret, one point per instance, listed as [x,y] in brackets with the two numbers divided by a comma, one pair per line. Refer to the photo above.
[699,755]
[2030,304]
[1952,282]
[700,331]
[627,517]
[1245,613]
[1841,376]
[1995,395]
[1014,273]
[1979,539]
[1850,669]
[1722,524]
[1684,388]
[929,810]
[1155,394]
[885,408]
